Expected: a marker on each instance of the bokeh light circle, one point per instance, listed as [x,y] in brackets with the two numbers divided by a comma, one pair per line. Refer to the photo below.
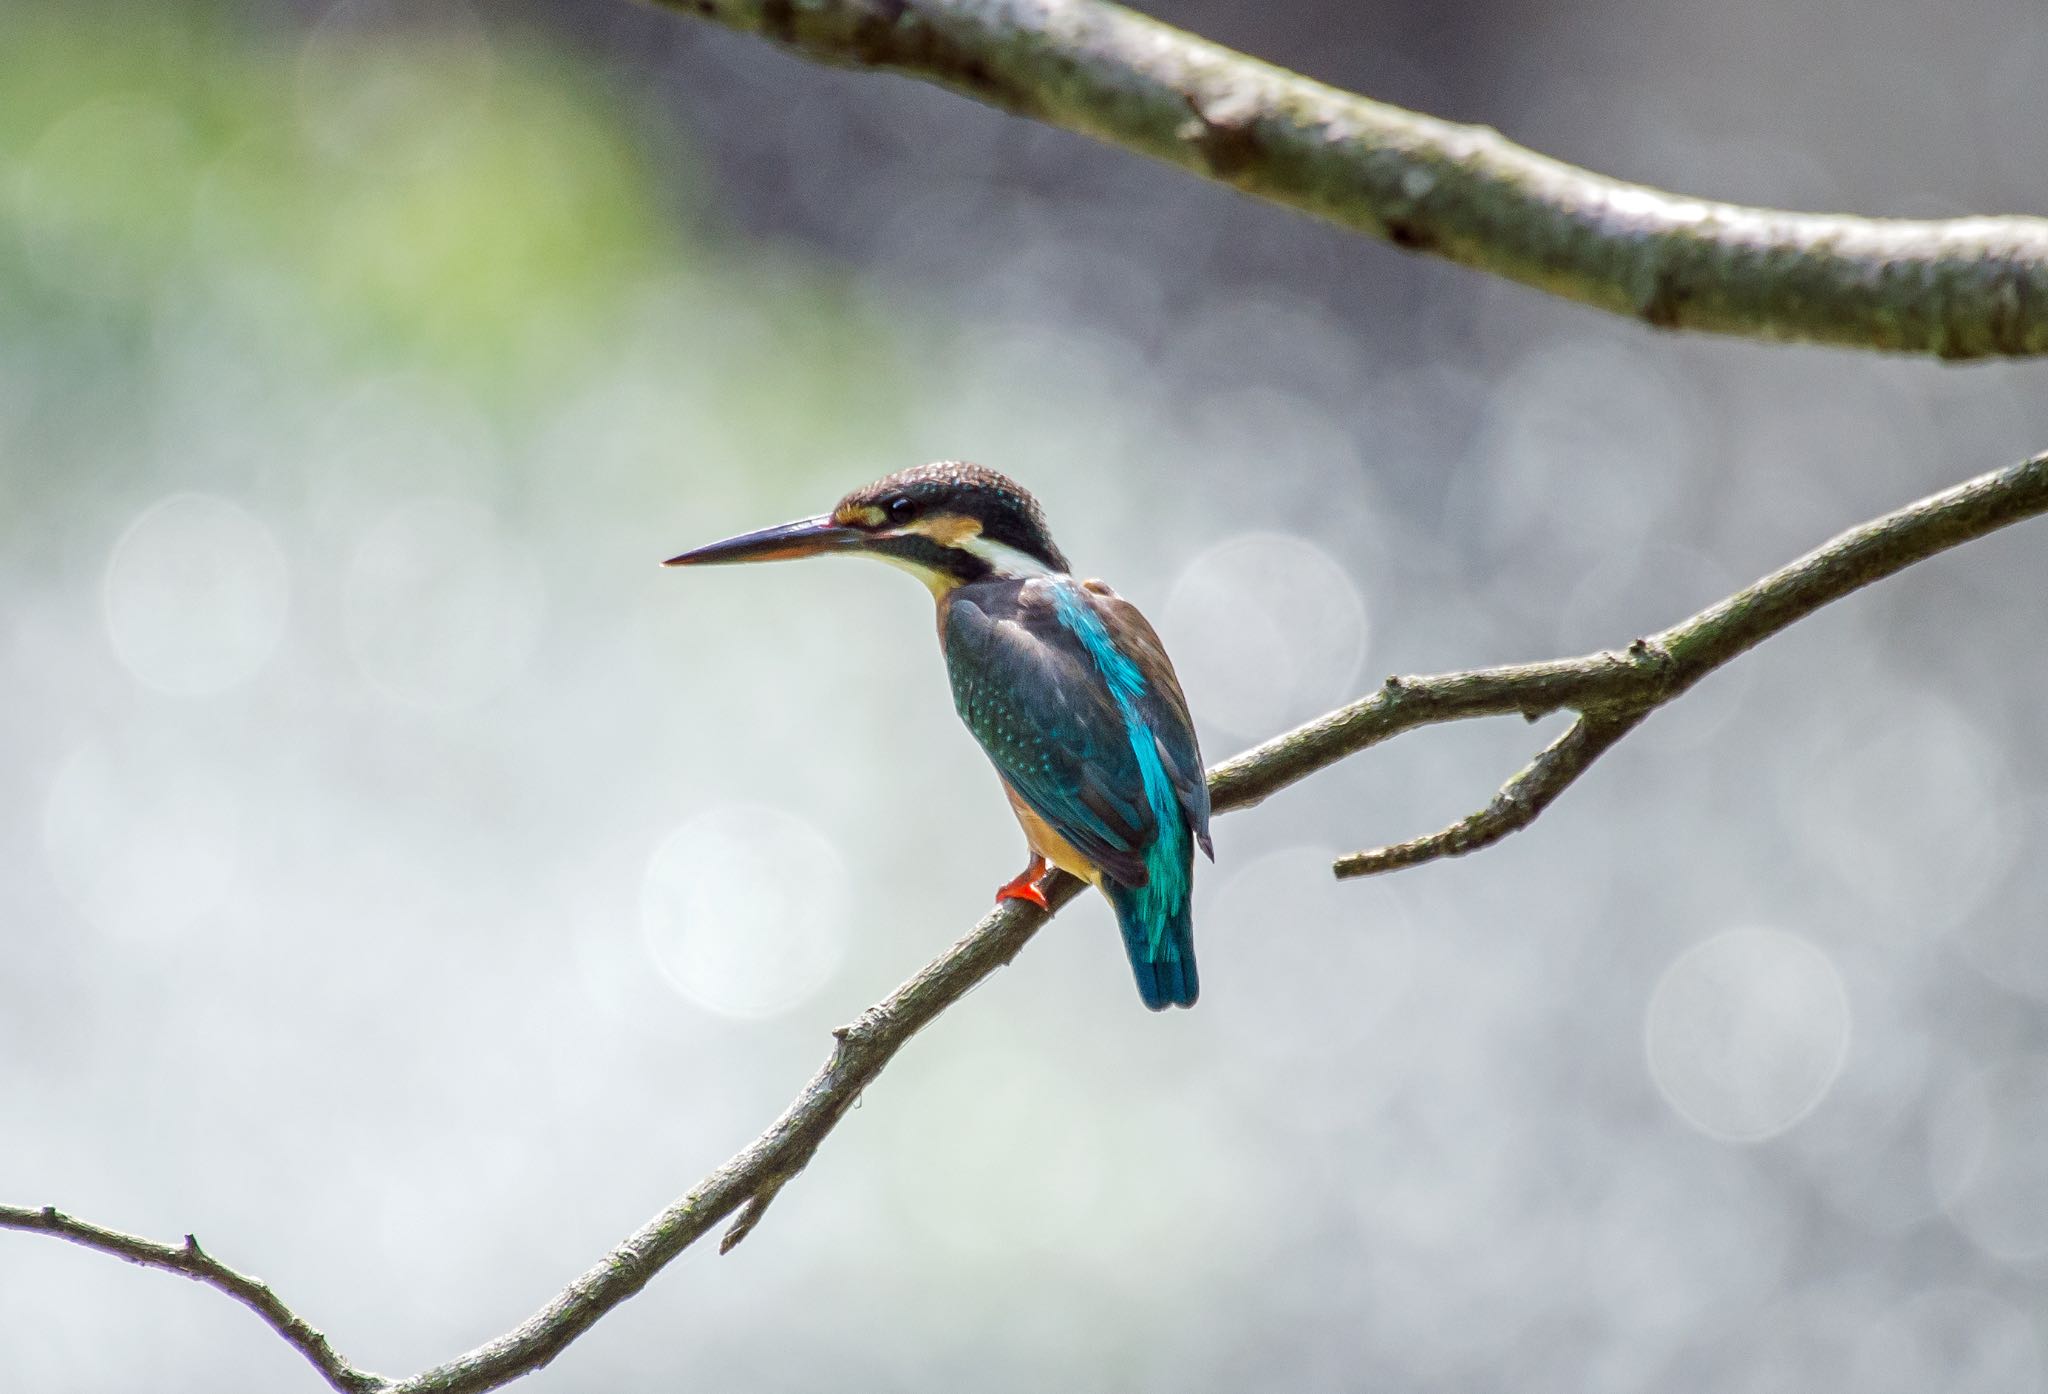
[2004,937]
[1561,460]
[142,846]
[1746,1032]
[1268,630]
[1668,1249]
[1911,803]
[102,196]
[1955,1340]
[1032,1145]
[392,115]
[1306,950]
[442,609]
[195,596]
[1867,1147]
[1993,1169]
[744,910]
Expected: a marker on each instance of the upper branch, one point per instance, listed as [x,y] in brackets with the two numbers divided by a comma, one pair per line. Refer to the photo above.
[1958,288]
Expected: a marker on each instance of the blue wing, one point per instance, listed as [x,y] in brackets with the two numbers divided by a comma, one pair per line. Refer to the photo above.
[1028,688]
[1068,690]
[1163,708]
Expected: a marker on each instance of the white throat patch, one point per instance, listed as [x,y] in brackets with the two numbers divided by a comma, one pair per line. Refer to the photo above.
[1007,561]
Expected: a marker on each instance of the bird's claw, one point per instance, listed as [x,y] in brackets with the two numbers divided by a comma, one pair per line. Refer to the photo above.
[1025,886]
[1026,891]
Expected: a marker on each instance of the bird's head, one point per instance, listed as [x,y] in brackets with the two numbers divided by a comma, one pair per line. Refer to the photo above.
[947,523]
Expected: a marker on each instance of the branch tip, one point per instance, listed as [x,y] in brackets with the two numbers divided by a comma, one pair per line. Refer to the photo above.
[751,1213]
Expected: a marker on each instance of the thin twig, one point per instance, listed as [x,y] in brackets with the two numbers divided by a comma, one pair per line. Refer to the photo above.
[1611,691]
[1610,687]
[1514,808]
[1653,670]
[1958,288]
[191,1261]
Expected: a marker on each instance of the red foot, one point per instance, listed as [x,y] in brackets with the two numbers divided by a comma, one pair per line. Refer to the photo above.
[1025,886]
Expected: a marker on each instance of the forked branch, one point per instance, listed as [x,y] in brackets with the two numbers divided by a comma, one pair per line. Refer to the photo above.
[1612,691]
[1514,808]
[1616,688]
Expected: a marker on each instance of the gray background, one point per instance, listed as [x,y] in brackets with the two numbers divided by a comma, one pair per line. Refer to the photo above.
[409,889]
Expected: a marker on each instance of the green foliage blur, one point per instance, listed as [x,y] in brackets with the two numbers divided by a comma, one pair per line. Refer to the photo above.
[202,207]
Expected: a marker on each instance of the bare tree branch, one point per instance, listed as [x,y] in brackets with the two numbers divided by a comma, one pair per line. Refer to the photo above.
[1957,288]
[1625,686]
[1613,691]
[195,1263]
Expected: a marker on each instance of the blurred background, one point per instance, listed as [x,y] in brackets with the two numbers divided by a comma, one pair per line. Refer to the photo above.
[409,888]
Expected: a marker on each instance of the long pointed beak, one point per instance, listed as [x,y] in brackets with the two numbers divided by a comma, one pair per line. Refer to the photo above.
[808,537]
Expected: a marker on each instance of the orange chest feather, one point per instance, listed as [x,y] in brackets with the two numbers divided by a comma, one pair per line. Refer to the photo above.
[1049,844]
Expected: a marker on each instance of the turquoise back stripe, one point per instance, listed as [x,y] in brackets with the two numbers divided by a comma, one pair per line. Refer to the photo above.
[1164,896]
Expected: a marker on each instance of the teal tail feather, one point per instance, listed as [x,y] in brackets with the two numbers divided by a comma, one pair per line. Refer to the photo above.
[1160,940]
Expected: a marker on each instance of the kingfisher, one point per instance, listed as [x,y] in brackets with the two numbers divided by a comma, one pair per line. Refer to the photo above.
[1064,684]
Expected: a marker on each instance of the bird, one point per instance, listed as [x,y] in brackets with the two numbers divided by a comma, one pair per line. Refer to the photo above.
[1062,681]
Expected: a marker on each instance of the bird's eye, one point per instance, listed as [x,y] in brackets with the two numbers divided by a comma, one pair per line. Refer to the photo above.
[902,509]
